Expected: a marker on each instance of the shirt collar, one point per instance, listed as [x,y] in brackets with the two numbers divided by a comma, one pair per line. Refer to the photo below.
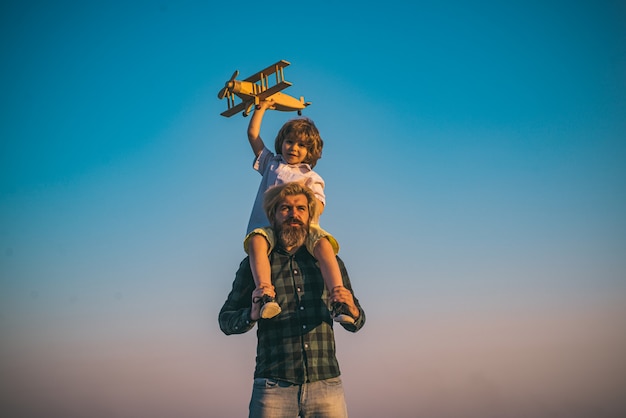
[305,165]
[280,249]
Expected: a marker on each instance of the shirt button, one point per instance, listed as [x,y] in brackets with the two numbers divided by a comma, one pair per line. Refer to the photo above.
[301,308]
[306,346]
[299,289]
[303,326]
[295,272]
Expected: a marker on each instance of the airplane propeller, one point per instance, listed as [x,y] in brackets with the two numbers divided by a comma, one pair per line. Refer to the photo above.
[228,86]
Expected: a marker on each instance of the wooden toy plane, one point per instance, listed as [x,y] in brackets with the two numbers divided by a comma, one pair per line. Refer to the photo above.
[256,88]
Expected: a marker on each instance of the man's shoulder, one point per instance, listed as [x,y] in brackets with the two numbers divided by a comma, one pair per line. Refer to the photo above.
[244,266]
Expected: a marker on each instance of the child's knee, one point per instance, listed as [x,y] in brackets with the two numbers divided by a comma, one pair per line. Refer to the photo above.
[258,242]
[322,244]
[325,244]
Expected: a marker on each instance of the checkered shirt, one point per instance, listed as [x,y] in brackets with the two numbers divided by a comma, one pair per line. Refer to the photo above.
[298,345]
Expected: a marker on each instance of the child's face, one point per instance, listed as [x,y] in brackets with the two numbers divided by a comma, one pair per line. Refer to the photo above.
[294,151]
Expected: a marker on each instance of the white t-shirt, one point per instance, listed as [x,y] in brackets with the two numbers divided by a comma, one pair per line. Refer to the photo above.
[276,171]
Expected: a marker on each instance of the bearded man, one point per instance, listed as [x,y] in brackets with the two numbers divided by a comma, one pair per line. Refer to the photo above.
[296,373]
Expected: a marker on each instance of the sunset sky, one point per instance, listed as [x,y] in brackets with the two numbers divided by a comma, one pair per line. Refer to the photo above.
[475,168]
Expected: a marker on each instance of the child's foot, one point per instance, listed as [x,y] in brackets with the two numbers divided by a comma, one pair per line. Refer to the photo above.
[269,307]
[341,313]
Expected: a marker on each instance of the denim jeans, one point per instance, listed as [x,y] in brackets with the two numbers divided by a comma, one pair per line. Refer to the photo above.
[273,398]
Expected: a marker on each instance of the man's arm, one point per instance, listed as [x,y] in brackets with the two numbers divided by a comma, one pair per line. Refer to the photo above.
[235,315]
[346,296]
[254,128]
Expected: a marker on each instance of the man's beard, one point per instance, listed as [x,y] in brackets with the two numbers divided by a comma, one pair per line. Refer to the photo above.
[292,236]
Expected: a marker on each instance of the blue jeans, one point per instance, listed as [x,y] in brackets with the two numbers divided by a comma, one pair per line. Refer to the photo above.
[273,398]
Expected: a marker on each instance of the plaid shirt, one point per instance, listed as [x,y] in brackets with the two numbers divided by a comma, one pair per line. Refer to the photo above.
[298,345]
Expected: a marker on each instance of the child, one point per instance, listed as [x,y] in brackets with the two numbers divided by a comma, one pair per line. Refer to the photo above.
[298,146]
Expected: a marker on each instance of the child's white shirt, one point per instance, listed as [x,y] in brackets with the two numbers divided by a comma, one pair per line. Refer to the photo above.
[276,171]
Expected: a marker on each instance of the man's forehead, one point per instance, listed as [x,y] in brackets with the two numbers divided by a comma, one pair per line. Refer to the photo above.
[296,199]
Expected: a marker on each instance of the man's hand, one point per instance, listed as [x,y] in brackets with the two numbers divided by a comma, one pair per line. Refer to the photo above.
[255,310]
[342,295]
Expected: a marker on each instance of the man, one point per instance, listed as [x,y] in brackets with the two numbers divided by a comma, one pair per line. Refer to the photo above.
[296,372]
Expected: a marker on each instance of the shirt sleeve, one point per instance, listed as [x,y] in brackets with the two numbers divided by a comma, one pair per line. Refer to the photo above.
[234,317]
[360,321]
[262,160]
[316,183]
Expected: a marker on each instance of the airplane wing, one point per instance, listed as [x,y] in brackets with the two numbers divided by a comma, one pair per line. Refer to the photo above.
[267,71]
[261,96]
[235,109]
[273,90]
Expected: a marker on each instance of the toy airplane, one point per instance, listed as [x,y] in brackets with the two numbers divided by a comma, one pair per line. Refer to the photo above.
[256,88]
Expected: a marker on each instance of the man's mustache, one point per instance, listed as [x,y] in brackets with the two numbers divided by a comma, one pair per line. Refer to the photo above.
[293,220]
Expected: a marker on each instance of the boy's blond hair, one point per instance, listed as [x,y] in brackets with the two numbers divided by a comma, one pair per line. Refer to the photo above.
[305,130]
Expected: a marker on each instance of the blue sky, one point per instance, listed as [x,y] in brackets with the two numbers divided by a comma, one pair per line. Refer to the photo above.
[476,181]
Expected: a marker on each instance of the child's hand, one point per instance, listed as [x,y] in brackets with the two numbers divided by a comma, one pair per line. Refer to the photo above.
[266,104]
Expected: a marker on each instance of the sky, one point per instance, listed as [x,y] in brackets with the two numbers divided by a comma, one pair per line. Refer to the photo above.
[475,168]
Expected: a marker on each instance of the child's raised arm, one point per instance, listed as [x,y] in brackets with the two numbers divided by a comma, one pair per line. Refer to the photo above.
[254,128]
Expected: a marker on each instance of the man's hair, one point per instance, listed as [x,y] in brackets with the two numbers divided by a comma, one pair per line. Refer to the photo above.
[302,129]
[274,195]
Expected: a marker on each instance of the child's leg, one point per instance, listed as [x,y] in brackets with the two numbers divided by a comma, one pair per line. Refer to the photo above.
[325,254]
[262,274]
[260,263]
[329,267]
